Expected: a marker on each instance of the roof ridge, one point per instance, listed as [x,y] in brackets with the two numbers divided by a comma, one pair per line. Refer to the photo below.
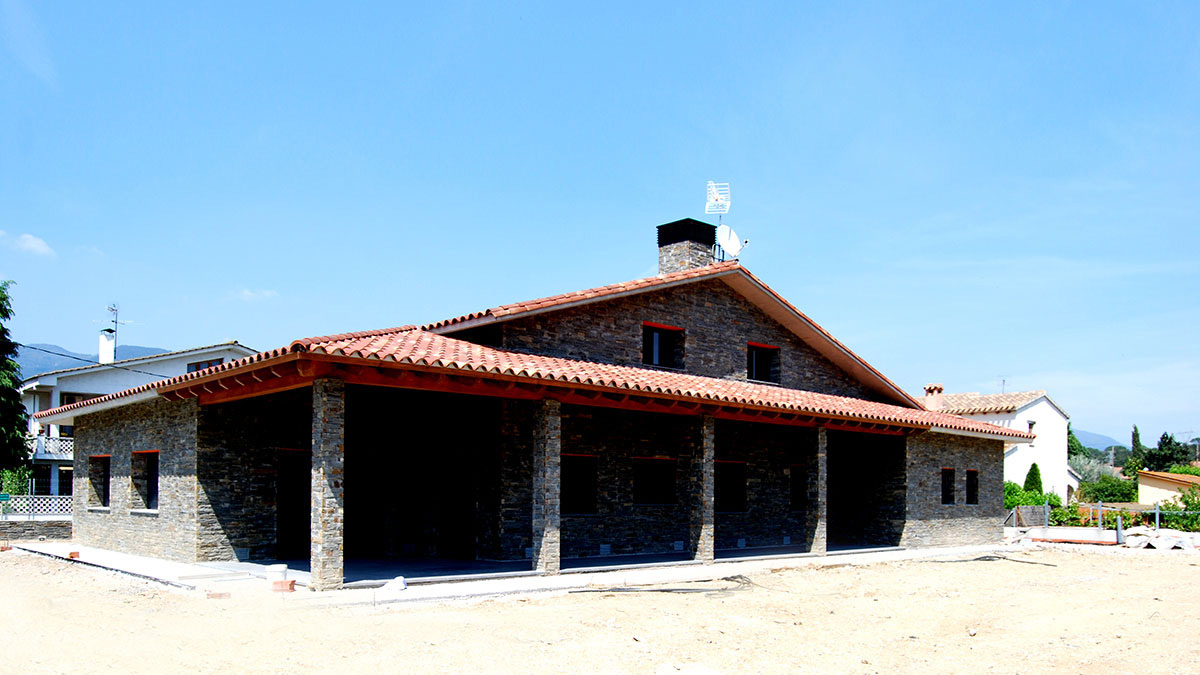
[644,282]
[303,343]
[120,362]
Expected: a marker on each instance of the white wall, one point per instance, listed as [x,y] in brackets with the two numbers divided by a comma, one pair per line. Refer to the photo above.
[1049,449]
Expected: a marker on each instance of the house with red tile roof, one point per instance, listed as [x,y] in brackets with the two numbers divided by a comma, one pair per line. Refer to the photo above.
[694,415]
[1032,411]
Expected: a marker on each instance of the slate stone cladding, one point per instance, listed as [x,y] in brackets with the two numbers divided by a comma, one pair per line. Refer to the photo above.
[929,522]
[508,529]
[237,471]
[771,454]
[718,324]
[547,475]
[616,437]
[326,562]
[166,426]
[701,492]
[22,530]
[683,255]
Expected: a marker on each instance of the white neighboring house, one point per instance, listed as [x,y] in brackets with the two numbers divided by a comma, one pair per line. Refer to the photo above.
[52,446]
[1025,410]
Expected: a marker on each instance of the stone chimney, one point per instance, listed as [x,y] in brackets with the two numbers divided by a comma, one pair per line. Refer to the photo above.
[933,397]
[108,345]
[684,245]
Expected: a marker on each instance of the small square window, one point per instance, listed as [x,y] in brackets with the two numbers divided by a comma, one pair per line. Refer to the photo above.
[662,345]
[948,486]
[762,362]
[578,484]
[729,487]
[98,475]
[143,473]
[972,486]
[653,480]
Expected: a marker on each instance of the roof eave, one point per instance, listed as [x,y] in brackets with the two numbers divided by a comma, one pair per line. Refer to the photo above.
[68,416]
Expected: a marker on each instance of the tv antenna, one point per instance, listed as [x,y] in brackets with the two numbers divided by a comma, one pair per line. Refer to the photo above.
[115,310]
[728,245]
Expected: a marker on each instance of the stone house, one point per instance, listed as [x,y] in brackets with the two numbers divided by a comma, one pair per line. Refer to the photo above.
[1032,411]
[691,415]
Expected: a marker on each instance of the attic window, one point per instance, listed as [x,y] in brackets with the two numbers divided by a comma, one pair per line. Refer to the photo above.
[762,362]
[662,345]
[201,365]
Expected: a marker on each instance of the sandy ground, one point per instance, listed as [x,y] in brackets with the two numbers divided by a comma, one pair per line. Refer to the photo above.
[1052,609]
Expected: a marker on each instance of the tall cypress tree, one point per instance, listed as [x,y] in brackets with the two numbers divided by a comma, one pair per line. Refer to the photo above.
[1033,479]
[13,419]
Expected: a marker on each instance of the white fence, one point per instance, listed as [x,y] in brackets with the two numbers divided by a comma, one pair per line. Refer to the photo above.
[34,506]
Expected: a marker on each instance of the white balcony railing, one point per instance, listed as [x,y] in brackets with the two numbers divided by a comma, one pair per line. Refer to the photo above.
[46,447]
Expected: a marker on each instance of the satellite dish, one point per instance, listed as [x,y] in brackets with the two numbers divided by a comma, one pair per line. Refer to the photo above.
[728,240]
[718,198]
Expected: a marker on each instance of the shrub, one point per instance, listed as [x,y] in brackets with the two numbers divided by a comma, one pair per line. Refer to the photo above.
[1089,469]
[15,481]
[1185,468]
[1015,495]
[1033,479]
[1188,500]
[1109,489]
[1066,516]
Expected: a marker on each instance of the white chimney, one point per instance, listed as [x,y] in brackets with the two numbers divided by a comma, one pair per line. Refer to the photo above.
[108,345]
[934,399]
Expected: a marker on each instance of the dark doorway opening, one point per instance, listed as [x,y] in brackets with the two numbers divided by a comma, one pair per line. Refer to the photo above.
[421,472]
[867,490]
[293,503]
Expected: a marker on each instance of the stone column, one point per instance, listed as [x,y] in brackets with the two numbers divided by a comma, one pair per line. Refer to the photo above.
[328,462]
[547,480]
[702,481]
[818,495]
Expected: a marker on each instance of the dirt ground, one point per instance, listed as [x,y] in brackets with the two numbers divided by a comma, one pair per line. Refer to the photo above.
[1053,609]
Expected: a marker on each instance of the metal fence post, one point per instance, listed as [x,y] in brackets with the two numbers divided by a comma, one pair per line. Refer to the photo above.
[1120,531]
[1046,513]
[1157,513]
[1100,520]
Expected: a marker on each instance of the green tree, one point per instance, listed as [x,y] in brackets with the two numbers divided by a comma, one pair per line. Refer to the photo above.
[1137,451]
[1033,479]
[1119,453]
[13,419]
[1109,489]
[1168,452]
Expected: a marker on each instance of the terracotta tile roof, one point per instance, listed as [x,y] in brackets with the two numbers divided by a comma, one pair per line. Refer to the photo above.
[152,386]
[412,346]
[975,403]
[422,348]
[648,283]
[739,276]
[1173,477]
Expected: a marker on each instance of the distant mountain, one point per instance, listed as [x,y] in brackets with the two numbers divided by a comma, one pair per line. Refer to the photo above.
[1097,441]
[35,361]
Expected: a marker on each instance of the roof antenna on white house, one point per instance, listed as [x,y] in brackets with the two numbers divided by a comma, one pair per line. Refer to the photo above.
[728,246]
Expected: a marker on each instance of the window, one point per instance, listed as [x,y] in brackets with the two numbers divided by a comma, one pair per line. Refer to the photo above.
[762,362]
[653,480]
[662,345]
[143,473]
[972,486]
[729,486]
[98,470]
[578,484]
[201,365]
[947,486]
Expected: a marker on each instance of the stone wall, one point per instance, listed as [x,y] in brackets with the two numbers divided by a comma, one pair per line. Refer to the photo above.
[237,470]
[32,530]
[931,523]
[718,322]
[772,454]
[616,437]
[167,532]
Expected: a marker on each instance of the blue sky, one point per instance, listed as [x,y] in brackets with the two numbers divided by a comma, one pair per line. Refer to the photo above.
[962,193]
